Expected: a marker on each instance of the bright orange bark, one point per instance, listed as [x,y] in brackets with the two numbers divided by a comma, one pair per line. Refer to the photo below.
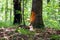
[32,18]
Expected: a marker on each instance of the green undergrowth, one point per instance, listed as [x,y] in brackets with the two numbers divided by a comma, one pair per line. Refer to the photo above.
[25,31]
[55,37]
[5,24]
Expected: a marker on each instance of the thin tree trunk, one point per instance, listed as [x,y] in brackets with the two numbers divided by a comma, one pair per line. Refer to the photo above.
[10,15]
[59,10]
[23,13]
[6,9]
[59,7]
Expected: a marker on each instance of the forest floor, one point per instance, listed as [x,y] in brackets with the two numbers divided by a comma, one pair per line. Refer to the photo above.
[40,34]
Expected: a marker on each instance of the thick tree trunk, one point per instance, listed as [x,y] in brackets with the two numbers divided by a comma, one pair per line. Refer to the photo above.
[37,9]
[17,12]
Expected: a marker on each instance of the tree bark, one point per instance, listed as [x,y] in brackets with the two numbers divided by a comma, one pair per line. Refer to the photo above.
[48,1]
[6,10]
[59,10]
[37,9]
[17,9]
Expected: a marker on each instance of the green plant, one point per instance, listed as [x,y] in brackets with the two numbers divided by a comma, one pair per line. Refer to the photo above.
[25,31]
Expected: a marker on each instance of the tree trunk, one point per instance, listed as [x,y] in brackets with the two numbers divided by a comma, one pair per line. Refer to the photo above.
[17,12]
[59,7]
[48,1]
[59,10]
[6,9]
[37,9]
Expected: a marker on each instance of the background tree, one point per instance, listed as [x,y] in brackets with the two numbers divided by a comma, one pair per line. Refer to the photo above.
[17,11]
[59,11]
[51,14]
[6,10]
[48,1]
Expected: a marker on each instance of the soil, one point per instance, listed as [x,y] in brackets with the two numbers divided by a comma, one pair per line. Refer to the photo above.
[11,34]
